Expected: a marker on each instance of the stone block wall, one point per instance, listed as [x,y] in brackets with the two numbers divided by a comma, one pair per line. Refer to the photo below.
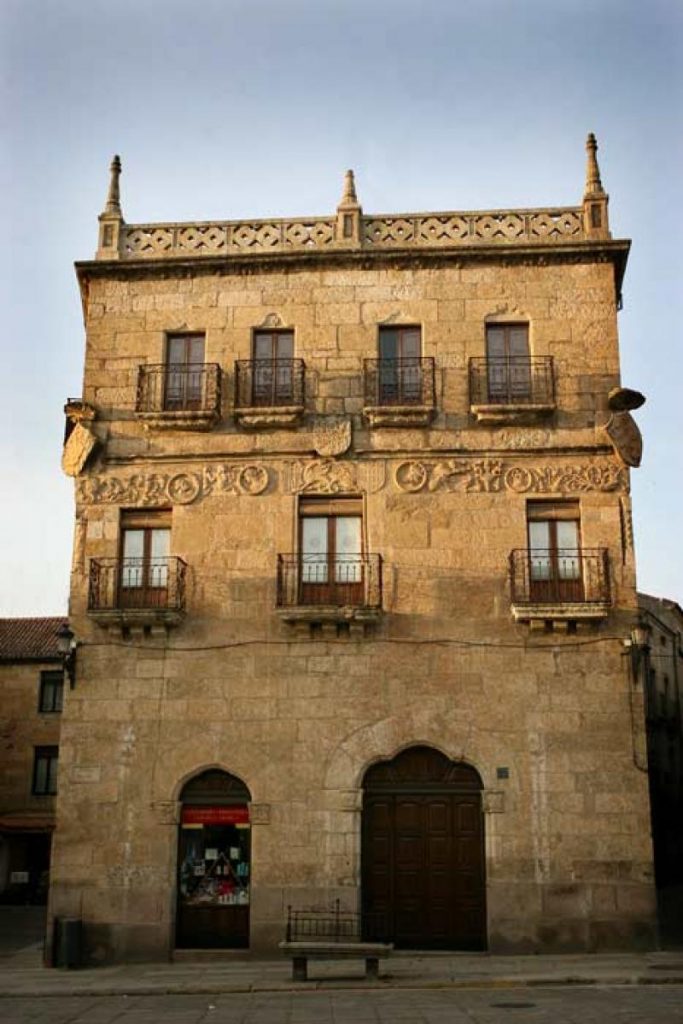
[300,716]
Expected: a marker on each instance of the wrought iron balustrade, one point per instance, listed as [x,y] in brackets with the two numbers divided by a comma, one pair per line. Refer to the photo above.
[144,584]
[187,387]
[517,380]
[335,925]
[559,576]
[342,580]
[269,383]
[399,382]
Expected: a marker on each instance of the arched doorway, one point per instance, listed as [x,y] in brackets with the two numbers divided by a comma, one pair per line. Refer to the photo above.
[423,880]
[214,863]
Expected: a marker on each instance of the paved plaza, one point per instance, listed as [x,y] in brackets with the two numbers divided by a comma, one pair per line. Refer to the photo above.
[660,1004]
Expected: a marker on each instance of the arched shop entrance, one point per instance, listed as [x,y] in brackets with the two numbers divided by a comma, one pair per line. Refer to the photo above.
[214,863]
[423,879]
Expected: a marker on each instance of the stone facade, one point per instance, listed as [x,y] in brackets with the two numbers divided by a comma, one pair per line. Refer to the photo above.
[31,683]
[443,640]
[661,674]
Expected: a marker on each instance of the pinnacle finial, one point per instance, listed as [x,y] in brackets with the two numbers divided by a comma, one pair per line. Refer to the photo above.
[593,182]
[113,203]
[349,197]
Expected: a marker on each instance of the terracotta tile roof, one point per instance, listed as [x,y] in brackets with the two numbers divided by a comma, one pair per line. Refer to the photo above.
[29,639]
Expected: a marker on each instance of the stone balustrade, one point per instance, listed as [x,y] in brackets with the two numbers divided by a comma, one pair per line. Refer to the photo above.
[391,232]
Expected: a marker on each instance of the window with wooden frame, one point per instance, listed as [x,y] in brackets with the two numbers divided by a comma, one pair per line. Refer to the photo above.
[273,372]
[508,363]
[185,372]
[144,560]
[51,691]
[331,550]
[555,569]
[400,366]
[45,760]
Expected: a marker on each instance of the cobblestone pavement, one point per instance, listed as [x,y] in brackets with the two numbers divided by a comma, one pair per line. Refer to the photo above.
[651,1004]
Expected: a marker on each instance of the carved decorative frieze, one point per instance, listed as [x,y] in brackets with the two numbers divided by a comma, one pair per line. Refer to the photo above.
[521,438]
[326,476]
[179,488]
[493,475]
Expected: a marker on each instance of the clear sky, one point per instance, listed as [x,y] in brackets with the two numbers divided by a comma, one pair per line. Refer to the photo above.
[251,108]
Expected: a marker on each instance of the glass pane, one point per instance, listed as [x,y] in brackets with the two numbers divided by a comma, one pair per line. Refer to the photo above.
[388,343]
[348,549]
[519,342]
[284,346]
[410,344]
[540,565]
[495,343]
[158,566]
[568,561]
[40,784]
[314,550]
[263,345]
[176,350]
[195,349]
[133,551]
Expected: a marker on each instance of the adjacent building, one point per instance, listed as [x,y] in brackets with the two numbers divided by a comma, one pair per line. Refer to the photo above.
[662,674]
[32,688]
[353,585]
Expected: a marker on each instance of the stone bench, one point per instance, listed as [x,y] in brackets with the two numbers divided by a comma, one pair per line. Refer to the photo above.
[333,934]
[329,949]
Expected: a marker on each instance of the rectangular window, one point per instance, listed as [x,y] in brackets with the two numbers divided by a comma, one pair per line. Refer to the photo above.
[400,369]
[51,690]
[273,368]
[508,365]
[185,376]
[145,546]
[555,572]
[330,551]
[45,771]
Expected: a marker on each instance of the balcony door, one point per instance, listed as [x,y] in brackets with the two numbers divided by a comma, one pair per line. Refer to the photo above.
[330,546]
[273,382]
[508,366]
[555,570]
[400,372]
[184,372]
[145,546]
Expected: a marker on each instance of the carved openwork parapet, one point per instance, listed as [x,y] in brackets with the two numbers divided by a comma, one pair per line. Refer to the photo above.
[511,390]
[269,392]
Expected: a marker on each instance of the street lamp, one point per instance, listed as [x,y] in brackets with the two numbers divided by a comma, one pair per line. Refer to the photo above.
[66,645]
[640,647]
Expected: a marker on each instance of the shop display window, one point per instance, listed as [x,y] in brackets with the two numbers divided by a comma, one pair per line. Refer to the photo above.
[214,868]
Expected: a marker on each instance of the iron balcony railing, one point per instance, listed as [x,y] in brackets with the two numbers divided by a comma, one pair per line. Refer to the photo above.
[393,382]
[269,383]
[137,583]
[344,580]
[518,380]
[559,576]
[190,387]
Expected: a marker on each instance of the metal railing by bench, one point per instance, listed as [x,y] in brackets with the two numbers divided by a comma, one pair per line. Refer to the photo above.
[330,935]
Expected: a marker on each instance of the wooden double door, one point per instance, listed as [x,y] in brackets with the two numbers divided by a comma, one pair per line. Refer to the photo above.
[423,854]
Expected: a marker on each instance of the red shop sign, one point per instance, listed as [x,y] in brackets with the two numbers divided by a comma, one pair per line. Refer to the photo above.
[215,815]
